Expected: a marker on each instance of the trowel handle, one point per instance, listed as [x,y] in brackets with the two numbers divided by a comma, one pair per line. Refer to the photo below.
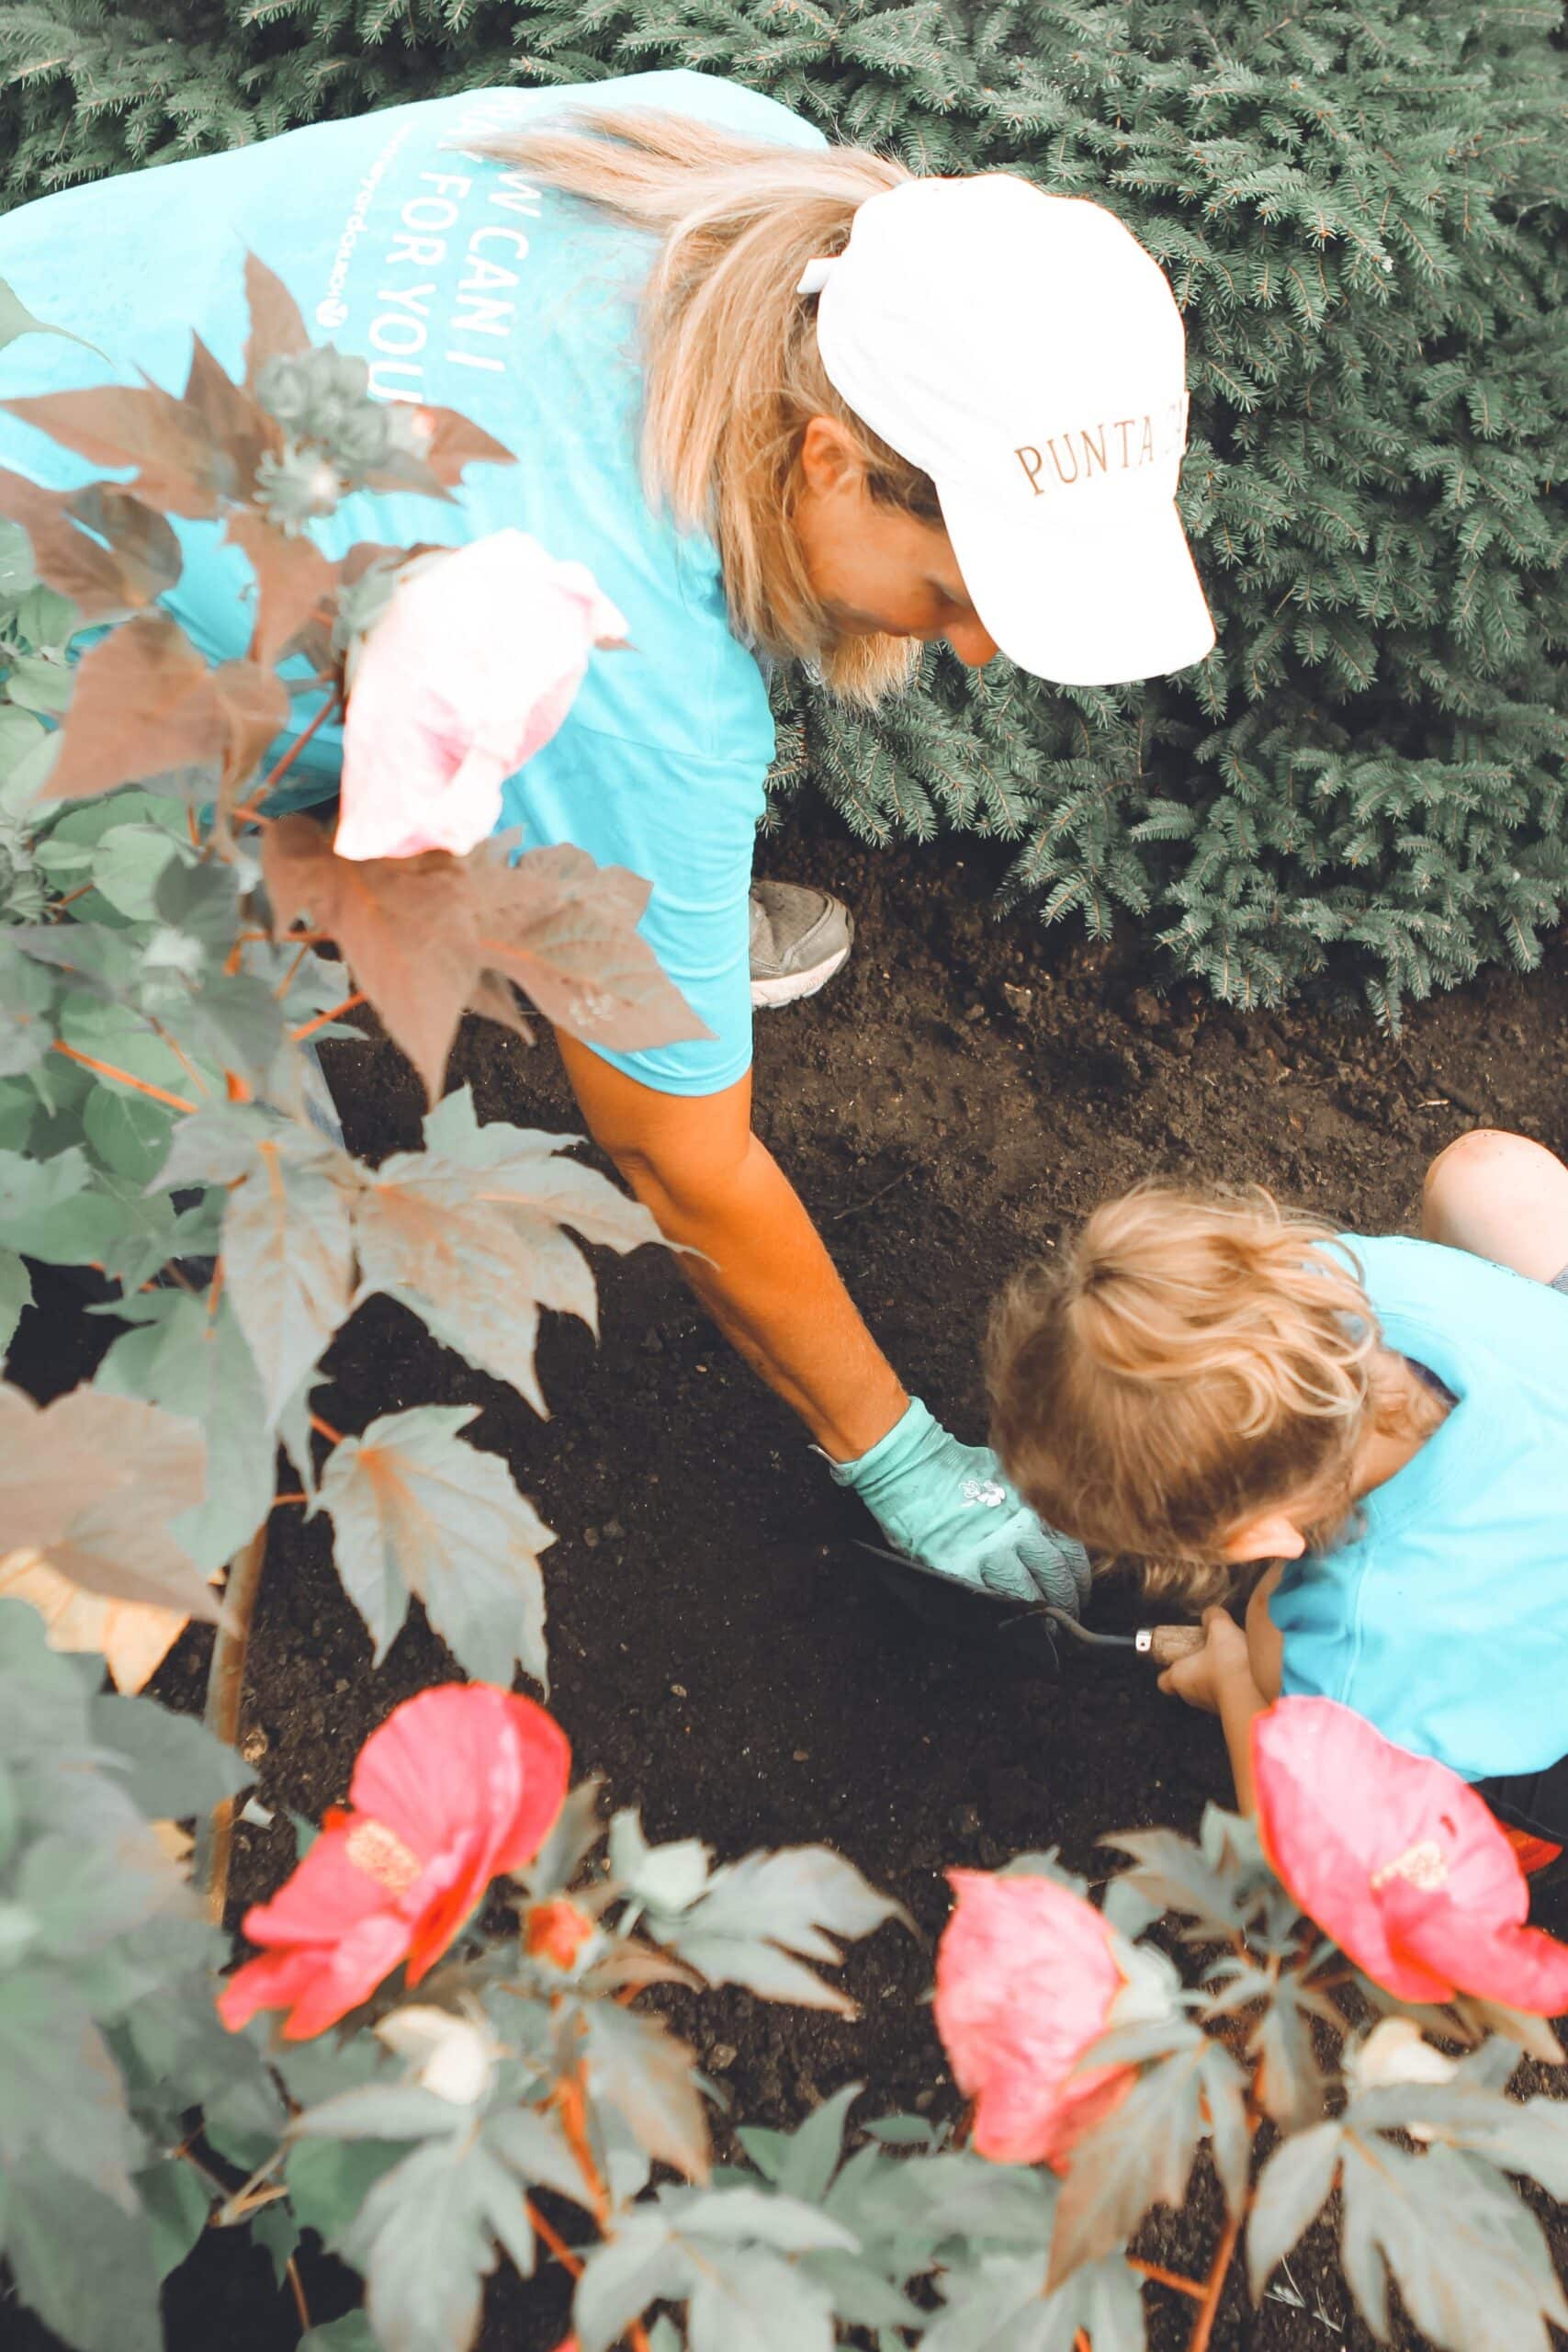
[1165,1644]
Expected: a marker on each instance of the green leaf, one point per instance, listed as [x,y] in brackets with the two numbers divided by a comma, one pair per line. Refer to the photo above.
[287,1253]
[177,1768]
[1292,2190]
[64,2103]
[82,2262]
[668,1879]
[129,860]
[750,2302]
[809,2157]
[415,1511]
[36,683]
[743,2216]
[329,2179]
[636,2067]
[275,2229]
[1141,2155]
[350,2334]
[27,1004]
[639,2266]
[193,1362]
[382,2111]
[1472,2263]
[765,1914]
[177,2202]
[128,1133]
[15,1292]
[475,1250]
[16,319]
[427,2239]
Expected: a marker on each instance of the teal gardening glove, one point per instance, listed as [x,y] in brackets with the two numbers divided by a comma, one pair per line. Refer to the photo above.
[949,1507]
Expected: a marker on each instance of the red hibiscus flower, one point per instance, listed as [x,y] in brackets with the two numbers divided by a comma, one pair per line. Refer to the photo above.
[1026,1974]
[458,1785]
[1399,1860]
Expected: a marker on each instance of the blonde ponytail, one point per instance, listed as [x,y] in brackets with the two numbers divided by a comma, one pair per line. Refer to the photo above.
[1192,1362]
[733,376]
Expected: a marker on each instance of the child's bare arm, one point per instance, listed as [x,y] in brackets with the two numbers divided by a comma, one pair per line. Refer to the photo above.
[1265,1643]
[1219,1678]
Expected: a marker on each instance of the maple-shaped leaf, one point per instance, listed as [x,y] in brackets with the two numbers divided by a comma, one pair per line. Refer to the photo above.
[277,330]
[132,1637]
[143,705]
[146,704]
[448,441]
[294,580]
[476,1250]
[638,2068]
[178,469]
[431,936]
[287,1251]
[564,930]
[93,1481]
[104,583]
[236,428]
[416,1510]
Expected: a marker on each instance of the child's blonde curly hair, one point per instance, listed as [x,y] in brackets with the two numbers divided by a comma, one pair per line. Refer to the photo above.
[1191,1362]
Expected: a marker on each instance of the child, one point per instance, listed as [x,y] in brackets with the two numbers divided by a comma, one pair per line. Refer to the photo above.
[1208,1383]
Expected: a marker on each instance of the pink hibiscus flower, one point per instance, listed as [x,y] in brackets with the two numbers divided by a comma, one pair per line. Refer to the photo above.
[1026,1976]
[467,672]
[1399,1860]
[458,1785]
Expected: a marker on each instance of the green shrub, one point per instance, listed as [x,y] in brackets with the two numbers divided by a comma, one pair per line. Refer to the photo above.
[1363,211]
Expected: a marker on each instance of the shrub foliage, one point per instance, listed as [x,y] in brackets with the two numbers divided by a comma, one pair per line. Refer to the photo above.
[1362,212]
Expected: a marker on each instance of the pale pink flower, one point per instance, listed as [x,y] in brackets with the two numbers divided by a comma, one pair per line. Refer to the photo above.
[1399,1860]
[1026,1978]
[468,672]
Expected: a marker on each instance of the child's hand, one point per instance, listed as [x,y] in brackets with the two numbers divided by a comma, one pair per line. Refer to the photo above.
[1223,1658]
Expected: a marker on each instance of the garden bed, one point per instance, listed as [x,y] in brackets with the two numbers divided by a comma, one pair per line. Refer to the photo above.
[722,1653]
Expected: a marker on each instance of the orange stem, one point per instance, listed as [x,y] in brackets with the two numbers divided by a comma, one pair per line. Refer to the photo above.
[270,784]
[79,892]
[215,1288]
[279,1499]
[574,2123]
[1204,2326]
[287,982]
[123,1077]
[325,1429]
[1172,2278]
[553,2239]
[308,1028]
[238,1089]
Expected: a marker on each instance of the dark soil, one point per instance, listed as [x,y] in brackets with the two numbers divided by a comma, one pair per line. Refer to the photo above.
[722,1652]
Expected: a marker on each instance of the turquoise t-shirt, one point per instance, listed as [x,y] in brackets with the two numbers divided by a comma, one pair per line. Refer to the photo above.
[464,286]
[1444,1620]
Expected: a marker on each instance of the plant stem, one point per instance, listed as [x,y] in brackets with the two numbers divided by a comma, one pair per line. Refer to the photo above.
[1171,2278]
[308,1028]
[122,1076]
[325,1429]
[296,2284]
[1204,2326]
[225,1683]
[248,815]
[570,2262]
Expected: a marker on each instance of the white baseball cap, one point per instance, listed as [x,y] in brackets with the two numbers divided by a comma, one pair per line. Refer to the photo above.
[1025,352]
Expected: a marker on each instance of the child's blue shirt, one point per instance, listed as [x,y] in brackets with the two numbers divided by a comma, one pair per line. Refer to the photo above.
[1444,1620]
[465,285]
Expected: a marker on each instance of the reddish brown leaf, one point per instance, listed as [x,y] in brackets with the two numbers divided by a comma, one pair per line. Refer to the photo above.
[293,578]
[144,703]
[564,930]
[403,926]
[403,471]
[238,432]
[93,1480]
[148,550]
[456,442]
[115,425]
[277,331]
[253,706]
[66,557]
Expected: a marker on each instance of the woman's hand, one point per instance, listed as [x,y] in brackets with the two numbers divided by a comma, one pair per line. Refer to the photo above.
[1203,1676]
[949,1506]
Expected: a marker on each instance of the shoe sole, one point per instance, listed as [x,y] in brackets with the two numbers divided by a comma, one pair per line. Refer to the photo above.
[768,996]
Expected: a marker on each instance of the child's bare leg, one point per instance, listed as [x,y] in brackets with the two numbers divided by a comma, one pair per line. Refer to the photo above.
[1501,1197]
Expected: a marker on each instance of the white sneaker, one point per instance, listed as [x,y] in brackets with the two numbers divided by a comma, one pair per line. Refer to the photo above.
[799,938]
